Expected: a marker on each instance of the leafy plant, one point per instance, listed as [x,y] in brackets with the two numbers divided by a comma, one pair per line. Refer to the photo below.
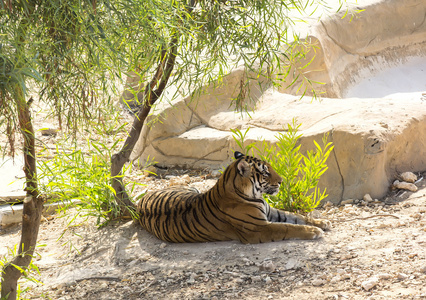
[300,173]
[240,139]
[84,177]
[28,274]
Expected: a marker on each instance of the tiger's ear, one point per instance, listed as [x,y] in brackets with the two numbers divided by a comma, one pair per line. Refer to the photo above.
[238,154]
[244,168]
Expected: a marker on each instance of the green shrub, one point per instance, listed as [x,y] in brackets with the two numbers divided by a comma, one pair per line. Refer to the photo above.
[300,173]
[83,176]
[28,274]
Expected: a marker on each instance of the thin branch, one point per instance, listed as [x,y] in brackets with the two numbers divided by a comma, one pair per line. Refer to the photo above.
[164,71]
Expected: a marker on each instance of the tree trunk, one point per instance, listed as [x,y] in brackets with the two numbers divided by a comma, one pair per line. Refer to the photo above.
[33,204]
[152,92]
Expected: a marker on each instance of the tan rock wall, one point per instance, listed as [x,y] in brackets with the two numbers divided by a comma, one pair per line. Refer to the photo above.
[374,139]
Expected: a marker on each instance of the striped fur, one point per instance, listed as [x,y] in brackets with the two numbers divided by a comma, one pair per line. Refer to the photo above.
[232,210]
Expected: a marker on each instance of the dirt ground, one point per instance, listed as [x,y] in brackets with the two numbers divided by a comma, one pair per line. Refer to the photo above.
[374,250]
[382,257]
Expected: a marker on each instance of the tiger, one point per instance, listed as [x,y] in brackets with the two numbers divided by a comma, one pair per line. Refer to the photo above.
[233,209]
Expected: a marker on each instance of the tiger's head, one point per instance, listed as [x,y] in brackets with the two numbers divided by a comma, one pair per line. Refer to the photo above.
[255,177]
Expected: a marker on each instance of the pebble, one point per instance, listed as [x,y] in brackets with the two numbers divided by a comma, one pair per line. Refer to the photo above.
[293,263]
[370,283]
[184,180]
[423,269]
[267,266]
[349,201]
[49,130]
[191,279]
[335,279]
[133,263]
[268,280]
[384,276]
[247,261]
[367,198]
[318,282]
[408,177]
[239,280]
[328,204]
[405,186]
[402,276]
[384,125]
[256,278]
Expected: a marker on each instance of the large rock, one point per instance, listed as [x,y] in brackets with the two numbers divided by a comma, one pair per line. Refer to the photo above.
[374,139]
[348,49]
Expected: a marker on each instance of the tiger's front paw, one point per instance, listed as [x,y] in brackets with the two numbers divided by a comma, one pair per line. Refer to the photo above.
[322,223]
[314,233]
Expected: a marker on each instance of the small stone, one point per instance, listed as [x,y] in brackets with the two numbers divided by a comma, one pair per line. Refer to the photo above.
[318,282]
[293,263]
[348,256]
[150,171]
[103,285]
[267,266]
[256,278]
[184,180]
[416,216]
[49,130]
[133,263]
[408,177]
[405,186]
[268,280]
[384,276]
[349,201]
[191,279]
[163,245]
[61,286]
[367,198]
[423,269]
[247,261]
[335,279]
[402,276]
[370,283]
[328,204]
[384,125]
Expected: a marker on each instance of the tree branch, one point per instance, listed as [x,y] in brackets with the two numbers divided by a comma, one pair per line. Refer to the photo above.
[160,79]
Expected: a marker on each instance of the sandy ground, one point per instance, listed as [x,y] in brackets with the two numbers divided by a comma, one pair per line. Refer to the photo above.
[382,257]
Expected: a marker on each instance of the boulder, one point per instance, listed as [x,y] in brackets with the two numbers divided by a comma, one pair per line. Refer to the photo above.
[374,138]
